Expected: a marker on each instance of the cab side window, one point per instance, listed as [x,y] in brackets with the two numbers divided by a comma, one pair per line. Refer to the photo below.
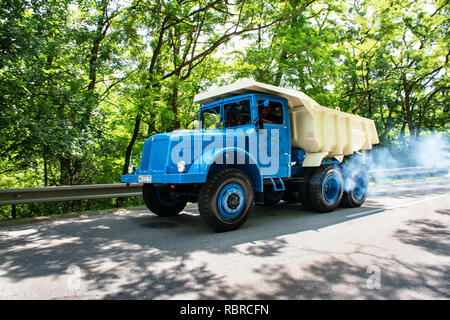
[273,113]
[210,118]
[237,113]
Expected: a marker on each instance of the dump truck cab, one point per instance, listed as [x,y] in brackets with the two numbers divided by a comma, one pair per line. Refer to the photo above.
[250,131]
[254,144]
[257,124]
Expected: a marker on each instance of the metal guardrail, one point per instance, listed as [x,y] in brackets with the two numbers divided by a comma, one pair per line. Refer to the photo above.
[403,173]
[122,190]
[67,193]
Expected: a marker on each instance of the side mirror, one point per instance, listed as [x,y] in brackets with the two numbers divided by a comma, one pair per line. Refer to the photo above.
[192,120]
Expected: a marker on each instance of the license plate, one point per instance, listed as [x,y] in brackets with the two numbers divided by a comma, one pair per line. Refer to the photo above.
[145,179]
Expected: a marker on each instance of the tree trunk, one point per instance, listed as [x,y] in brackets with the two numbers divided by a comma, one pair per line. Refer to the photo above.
[72,167]
[176,122]
[150,83]
[407,106]
[137,125]
[369,96]
[65,178]
[279,74]
[45,171]
[402,132]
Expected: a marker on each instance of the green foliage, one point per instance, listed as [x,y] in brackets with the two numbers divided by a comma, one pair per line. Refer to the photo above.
[83,83]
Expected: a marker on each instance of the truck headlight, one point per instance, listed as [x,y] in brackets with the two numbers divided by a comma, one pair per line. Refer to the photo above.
[181,166]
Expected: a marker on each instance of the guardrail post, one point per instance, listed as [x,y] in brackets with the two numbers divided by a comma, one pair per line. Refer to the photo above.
[13,211]
[119,202]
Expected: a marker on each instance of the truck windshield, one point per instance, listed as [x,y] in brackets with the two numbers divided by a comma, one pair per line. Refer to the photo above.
[210,118]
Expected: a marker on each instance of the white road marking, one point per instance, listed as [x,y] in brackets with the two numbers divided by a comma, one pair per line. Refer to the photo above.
[396,206]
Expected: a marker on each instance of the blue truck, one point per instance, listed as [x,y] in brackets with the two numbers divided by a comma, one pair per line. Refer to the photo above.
[255,144]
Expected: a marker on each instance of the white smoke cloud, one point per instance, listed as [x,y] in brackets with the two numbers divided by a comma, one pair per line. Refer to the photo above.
[426,153]
[432,151]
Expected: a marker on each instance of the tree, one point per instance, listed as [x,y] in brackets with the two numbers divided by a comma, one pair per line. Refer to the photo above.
[185,34]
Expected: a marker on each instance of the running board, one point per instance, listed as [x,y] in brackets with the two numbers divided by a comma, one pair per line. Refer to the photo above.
[275,186]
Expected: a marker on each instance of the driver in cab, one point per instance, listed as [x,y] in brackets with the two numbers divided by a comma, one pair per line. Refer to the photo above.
[268,116]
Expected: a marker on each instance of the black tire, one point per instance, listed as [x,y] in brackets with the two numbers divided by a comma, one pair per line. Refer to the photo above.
[272,197]
[213,190]
[325,188]
[159,202]
[304,197]
[355,189]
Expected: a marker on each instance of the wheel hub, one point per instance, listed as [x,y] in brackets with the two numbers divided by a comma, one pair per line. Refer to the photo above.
[331,189]
[233,201]
[360,187]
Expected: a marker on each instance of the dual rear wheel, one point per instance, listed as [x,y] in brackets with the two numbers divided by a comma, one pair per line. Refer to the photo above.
[326,188]
[355,189]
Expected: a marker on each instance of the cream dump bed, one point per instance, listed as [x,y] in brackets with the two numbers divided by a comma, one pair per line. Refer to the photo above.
[320,131]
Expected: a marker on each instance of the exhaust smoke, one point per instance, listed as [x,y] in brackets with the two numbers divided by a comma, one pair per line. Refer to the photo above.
[412,159]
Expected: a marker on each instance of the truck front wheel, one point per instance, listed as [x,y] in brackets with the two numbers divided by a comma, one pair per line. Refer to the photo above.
[159,201]
[226,199]
[325,188]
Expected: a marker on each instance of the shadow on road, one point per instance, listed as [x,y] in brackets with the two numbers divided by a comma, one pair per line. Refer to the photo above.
[113,248]
[429,234]
[338,278]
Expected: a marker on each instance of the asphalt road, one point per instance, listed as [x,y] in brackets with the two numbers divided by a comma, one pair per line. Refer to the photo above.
[397,246]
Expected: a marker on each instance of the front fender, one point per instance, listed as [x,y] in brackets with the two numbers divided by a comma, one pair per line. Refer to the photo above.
[215,159]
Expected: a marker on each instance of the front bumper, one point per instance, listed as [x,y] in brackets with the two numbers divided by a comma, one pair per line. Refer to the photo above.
[164,178]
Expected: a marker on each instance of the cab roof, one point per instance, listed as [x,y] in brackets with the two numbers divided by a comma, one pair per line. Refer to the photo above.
[245,86]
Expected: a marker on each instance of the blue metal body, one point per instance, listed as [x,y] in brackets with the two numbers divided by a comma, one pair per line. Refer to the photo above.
[206,151]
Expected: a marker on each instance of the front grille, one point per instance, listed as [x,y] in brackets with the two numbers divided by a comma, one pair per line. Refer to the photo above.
[158,154]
